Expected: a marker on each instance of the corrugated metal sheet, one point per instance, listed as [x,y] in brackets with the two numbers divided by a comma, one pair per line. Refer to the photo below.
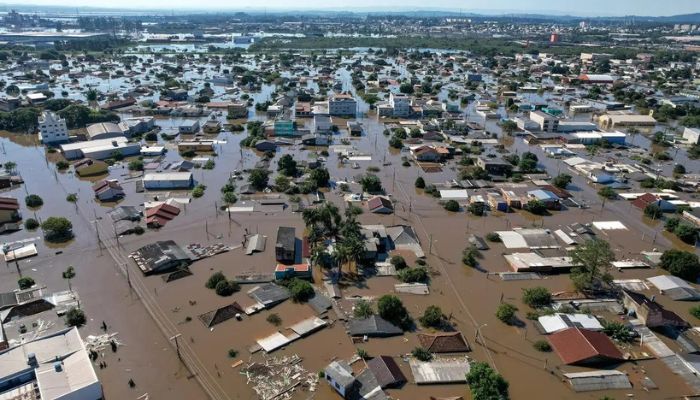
[598,380]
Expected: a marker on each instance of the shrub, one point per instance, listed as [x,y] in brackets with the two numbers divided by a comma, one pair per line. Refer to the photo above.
[31,224]
[470,256]
[422,354]
[33,201]
[398,262]
[363,354]
[681,263]
[363,309]
[561,180]
[75,317]
[452,206]
[57,229]
[485,383]
[412,275]
[536,207]
[537,297]
[617,331]
[25,282]
[542,345]
[227,288]
[392,309]
[652,210]
[135,165]
[506,312]
[420,183]
[432,317]
[62,165]
[274,319]
[300,290]
[695,311]
[232,353]
[493,237]
[214,279]
[198,191]
[607,192]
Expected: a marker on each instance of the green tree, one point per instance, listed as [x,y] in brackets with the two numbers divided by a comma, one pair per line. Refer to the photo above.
[420,183]
[537,297]
[226,288]
[68,275]
[287,165]
[300,290]
[422,354]
[509,126]
[607,192]
[392,309]
[33,201]
[258,178]
[363,309]
[536,207]
[686,232]
[593,259]
[451,205]
[136,165]
[506,312]
[320,177]
[214,279]
[432,317]
[25,282]
[681,263]
[57,229]
[618,331]
[75,317]
[371,183]
[412,275]
[470,256]
[477,209]
[561,181]
[653,211]
[485,383]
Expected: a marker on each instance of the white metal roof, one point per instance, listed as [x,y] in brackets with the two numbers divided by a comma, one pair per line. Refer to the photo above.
[557,322]
[167,176]
[667,282]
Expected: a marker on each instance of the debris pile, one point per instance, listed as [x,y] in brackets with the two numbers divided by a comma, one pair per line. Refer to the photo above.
[278,377]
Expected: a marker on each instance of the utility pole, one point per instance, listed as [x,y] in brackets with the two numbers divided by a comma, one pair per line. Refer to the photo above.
[177,346]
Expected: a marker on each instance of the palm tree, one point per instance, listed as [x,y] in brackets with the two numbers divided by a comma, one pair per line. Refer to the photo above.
[341,254]
[69,274]
[311,216]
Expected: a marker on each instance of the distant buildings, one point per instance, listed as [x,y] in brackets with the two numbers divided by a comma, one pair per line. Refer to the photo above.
[342,105]
[546,122]
[52,128]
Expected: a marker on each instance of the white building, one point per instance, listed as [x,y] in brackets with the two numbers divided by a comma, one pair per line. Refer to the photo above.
[168,180]
[546,122]
[56,366]
[52,128]
[400,104]
[342,105]
[691,135]
[100,149]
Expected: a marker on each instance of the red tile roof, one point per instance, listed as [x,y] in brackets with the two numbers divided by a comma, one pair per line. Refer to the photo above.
[577,346]
[161,214]
[451,342]
[8,203]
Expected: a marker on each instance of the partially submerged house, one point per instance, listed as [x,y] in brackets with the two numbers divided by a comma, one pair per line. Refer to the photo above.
[447,342]
[160,256]
[651,313]
[158,216]
[285,245]
[373,326]
[106,190]
[583,347]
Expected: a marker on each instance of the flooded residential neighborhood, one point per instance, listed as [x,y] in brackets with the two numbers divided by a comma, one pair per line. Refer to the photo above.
[379,204]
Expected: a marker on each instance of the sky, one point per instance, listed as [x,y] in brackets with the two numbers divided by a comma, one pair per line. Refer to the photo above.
[580,8]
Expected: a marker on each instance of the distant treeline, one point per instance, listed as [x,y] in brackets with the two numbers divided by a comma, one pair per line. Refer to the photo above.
[76,116]
[480,46]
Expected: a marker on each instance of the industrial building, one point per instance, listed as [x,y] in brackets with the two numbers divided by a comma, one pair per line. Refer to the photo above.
[100,149]
[168,180]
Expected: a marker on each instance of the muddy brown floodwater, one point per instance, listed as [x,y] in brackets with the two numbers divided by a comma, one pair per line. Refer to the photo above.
[468,296]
